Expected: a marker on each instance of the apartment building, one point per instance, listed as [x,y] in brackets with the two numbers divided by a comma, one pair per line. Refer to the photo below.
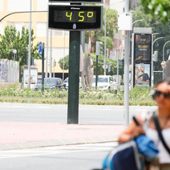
[59,41]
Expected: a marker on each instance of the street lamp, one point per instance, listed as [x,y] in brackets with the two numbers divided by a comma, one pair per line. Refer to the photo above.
[29,56]
[63,55]
[137,21]
[164,58]
[153,42]
[105,35]
[14,52]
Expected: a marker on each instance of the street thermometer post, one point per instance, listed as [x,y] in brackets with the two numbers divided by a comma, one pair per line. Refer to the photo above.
[74,18]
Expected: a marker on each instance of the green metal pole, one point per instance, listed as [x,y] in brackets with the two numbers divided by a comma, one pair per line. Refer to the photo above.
[73,89]
[96,70]
[43,68]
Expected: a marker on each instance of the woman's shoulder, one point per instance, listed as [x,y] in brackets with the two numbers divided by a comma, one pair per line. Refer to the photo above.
[147,115]
[144,116]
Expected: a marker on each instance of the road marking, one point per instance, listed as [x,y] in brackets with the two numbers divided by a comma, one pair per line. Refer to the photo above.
[56,150]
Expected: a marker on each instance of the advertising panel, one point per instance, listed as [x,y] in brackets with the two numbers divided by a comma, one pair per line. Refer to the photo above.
[33,77]
[142,48]
[142,74]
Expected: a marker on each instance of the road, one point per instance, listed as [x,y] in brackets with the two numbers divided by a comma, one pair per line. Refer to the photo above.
[88,114]
[77,157]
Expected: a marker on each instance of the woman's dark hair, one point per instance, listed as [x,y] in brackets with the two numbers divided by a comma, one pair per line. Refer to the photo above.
[162,81]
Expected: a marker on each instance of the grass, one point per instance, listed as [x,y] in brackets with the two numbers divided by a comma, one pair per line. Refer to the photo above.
[14,93]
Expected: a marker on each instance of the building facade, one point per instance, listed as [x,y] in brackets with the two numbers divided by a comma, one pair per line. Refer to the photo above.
[59,41]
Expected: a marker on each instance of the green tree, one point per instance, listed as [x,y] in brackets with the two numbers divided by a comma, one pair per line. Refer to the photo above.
[157,27]
[100,64]
[160,8]
[14,40]
[111,28]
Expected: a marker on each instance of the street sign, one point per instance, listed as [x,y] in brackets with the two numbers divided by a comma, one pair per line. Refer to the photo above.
[73,1]
[40,48]
[75,18]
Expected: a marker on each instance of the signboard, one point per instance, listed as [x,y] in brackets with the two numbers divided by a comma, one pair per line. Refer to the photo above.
[142,74]
[73,1]
[40,48]
[142,48]
[33,77]
[76,18]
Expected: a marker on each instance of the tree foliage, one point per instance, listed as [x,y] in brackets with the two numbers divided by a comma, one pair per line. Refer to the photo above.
[111,28]
[19,41]
[100,64]
[156,8]
[157,27]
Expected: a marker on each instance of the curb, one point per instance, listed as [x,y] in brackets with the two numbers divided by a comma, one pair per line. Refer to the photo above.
[58,142]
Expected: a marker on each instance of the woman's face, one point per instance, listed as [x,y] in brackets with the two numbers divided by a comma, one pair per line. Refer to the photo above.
[163,101]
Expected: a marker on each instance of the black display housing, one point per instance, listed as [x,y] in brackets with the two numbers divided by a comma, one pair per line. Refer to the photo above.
[75,24]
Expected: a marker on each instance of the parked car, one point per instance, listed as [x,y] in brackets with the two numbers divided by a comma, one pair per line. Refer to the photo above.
[51,83]
[66,82]
[105,82]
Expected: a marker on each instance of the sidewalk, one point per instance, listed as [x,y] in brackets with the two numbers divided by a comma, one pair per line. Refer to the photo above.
[21,135]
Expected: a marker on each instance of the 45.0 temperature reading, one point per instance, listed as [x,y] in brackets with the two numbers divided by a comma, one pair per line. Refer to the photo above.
[75,16]
[81,15]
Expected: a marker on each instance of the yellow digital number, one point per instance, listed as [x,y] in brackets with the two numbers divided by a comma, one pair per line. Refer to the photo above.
[81,16]
[69,16]
[90,14]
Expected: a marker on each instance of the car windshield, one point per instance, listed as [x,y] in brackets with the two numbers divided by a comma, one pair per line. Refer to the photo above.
[50,81]
[101,80]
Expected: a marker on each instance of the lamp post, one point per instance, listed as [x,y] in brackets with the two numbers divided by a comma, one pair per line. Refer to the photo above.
[63,55]
[164,58]
[14,52]
[137,21]
[29,56]
[153,42]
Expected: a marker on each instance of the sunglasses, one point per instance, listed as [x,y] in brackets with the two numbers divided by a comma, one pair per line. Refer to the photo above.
[159,93]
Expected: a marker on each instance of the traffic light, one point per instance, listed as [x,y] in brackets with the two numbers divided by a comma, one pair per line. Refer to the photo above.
[123,53]
[99,48]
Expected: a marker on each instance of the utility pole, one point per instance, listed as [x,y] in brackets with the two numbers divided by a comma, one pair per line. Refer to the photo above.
[29,57]
[46,72]
[50,53]
[126,71]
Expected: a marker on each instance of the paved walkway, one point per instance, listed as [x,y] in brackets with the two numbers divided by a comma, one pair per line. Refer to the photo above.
[21,135]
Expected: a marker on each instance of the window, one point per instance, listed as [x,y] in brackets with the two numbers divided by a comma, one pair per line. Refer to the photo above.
[41,29]
[57,33]
[19,25]
[42,5]
[57,53]
[24,5]
[110,79]
[1,5]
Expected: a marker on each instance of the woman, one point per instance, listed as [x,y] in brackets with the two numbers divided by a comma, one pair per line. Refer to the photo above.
[162,97]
